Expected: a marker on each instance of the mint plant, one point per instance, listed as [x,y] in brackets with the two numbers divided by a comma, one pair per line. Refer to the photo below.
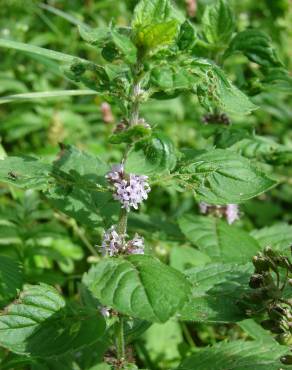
[131,289]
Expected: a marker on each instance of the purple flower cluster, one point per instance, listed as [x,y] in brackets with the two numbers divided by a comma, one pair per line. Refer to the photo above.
[230,211]
[113,244]
[130,190]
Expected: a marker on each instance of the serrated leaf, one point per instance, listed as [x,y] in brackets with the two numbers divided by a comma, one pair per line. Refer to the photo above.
[11,278]
[277,236]
[218,23]
[256,46]
[40,324]
[152,11]
[221,177]
[24,172]
[220,241]
[138,286]
[78,177]
[153,37]
[156,154]
[237,355]
[215,90]
[218,293]
[257,147]
[125,46]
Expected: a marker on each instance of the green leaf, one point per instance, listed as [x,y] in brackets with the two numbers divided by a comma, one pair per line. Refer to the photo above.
[138,286]
[94,36]
[218,293]
[218,23]
[80,188]
[75,184]
[153,37]
[24,172]
[217,91]
[162,342]
[220,241]
[40,324]
[130,135]
[256,46]
[237,355]
[278,236]
[152,11]
[44,95]
[51,54]
[256,331]
[169,78]
[257,147]
[221,177]
[125,46]
[11,278]
[151,156]
[184,257]
[187,36]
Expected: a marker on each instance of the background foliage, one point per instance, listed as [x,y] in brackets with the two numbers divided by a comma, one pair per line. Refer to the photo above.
[49,224]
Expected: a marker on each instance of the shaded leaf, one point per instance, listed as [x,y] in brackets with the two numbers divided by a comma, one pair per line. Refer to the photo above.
[11,278]
[218,293]
[237,355]
[40,324]
[220,241]
[256,46]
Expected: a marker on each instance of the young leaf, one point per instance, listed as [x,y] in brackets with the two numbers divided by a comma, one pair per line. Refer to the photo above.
[277,236]
[256,46]
[152,11]
[187,36]
[153,37]
[138,286]
[218,23]
[220,241]
[40,324]
[237,355]
[11,278]
[218,293]
[151,156]
[221,177]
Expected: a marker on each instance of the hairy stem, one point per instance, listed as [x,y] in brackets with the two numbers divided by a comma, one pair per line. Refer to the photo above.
[120,340]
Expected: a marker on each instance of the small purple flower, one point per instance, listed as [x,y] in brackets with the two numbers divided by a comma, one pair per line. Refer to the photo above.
[136,245]
[130,190]
[232,213]
[112,242]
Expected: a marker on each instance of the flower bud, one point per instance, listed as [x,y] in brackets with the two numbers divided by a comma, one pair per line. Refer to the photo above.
[261,263]
[286,360]
[256,281]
